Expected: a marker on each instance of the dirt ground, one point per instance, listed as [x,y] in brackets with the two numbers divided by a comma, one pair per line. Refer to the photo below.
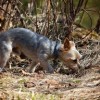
[63,87]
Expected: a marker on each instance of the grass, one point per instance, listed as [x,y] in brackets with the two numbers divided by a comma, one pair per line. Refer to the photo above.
[12,88]
[12,95]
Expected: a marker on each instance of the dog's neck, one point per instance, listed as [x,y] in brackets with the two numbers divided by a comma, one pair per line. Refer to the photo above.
[55,49]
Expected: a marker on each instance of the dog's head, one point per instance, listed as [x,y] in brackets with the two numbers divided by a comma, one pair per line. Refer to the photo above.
[69,54]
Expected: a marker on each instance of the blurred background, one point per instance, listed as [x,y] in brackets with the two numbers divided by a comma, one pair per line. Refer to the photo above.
[54,18]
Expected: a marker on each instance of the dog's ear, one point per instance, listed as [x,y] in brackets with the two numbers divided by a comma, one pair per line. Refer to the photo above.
[67,45]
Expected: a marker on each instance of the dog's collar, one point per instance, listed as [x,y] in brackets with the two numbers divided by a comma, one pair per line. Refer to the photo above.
[56,49]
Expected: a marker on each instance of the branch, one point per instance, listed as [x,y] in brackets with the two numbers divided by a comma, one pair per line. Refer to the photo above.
[71,9]
[79,6]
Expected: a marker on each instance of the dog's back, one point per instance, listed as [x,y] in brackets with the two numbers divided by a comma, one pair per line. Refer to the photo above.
[29,42]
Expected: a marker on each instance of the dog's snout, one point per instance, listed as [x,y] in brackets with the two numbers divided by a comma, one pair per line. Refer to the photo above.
[80,56]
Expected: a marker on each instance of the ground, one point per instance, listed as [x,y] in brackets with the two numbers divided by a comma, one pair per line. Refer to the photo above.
[41,86]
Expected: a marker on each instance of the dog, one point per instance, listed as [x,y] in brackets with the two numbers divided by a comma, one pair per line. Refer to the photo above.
[38,48]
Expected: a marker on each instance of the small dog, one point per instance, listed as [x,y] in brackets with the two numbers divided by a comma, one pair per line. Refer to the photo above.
[38,48]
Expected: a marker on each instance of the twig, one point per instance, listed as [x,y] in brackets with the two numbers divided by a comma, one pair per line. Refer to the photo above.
[88,16]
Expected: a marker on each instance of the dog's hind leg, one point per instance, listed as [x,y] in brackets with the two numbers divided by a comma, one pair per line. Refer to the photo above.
[5,51]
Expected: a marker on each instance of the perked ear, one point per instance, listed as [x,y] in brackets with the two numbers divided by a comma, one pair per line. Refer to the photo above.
[67,44]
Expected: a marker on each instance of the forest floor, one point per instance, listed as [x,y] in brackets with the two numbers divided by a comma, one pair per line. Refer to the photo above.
[16,84]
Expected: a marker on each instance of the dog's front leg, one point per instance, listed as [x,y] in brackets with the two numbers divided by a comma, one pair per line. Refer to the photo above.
[33,67]
[46,66]
[44,63]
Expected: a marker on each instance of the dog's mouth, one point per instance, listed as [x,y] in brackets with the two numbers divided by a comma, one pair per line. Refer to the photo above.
[72,64]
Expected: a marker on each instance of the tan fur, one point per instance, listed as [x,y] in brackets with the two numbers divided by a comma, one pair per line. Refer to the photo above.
[69,54]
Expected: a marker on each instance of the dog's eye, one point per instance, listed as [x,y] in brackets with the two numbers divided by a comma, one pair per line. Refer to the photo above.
[75,60]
